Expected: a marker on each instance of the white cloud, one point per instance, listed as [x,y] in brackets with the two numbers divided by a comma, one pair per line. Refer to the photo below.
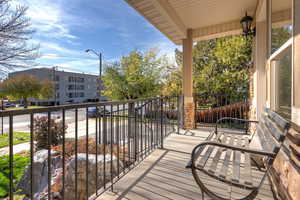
[57,48]
[164,47]
[48,18]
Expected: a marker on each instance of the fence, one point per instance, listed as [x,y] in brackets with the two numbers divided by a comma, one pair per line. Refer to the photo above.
[79,151]
[210,108]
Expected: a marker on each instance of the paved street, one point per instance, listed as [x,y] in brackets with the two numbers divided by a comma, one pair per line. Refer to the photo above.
[22,122]
[82,132]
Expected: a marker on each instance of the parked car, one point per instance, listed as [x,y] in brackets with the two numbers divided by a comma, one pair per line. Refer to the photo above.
[9,105]
[20,105]
[92,112]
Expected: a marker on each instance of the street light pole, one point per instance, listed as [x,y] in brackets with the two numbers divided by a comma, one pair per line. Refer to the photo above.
[100,74]
[2,105]
[54,81]
[100,68]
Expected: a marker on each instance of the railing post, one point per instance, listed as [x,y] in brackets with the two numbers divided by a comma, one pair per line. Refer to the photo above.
[195,110]
[161,123]
[130,128]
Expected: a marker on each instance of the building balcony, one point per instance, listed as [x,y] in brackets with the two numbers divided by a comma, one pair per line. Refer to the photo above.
[133,149]
[162,175]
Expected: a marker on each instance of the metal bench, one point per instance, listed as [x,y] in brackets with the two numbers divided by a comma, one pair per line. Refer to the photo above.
[227,157]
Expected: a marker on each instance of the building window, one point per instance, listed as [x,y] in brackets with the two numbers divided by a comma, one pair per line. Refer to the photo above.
[76,79]
[70,87]
[75,87]
[80,87]
[281,83]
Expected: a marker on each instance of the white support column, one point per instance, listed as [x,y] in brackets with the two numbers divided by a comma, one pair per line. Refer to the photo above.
[296,63]
[189,107]
[260,76]
[262,52]
[268,32]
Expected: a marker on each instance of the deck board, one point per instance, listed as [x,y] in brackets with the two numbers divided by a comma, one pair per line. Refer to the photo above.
[162,175]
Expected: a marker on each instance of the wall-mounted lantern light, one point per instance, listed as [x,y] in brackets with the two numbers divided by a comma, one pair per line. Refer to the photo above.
[246,23]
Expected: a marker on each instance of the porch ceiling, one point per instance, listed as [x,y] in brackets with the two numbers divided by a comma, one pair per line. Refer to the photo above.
[207,18]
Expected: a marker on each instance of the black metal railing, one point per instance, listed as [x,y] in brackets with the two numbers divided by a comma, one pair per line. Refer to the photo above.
[79,151]
[209,108]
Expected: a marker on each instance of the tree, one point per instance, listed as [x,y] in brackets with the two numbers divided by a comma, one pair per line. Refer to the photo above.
[280,36]
[138,75]
[220,66]
[25,86]
[15,31]
[173,84]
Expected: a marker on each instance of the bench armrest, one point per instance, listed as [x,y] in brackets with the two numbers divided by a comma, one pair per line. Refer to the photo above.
[233,119]
[236,148]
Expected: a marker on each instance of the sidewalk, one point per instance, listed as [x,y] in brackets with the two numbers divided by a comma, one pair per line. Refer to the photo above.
[70,134]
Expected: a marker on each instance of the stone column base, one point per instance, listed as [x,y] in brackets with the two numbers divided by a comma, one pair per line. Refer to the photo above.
[189,116]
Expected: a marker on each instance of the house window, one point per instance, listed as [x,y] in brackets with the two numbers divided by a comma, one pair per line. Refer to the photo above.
[280,36]
[281,82]
[281,33]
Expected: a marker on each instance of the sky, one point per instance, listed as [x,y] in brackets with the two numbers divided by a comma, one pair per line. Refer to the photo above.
[66,28]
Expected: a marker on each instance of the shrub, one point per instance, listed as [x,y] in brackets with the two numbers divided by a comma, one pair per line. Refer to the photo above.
[41,132]
[20,162]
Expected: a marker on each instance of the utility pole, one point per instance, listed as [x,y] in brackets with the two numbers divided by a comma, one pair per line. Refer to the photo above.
[2,105]
[54,81]
[100,74]
[100,68]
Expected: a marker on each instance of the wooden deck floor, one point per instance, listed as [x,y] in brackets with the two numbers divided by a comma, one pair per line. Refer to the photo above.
[162,175]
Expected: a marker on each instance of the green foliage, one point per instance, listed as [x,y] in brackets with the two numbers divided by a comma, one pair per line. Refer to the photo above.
[173,85]
[26,86]
[18,138]
[47,89]
[220,66]
[280,36]
[20,163]
[138,75]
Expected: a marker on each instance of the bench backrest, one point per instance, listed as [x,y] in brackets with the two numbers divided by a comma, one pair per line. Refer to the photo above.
[272,129]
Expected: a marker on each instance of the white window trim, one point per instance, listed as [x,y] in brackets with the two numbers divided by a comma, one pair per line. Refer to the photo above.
[270,73]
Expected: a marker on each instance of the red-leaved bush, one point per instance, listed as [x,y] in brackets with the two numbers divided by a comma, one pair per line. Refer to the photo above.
[41,136]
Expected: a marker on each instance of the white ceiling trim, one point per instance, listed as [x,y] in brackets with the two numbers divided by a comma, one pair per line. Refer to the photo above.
[165,18]
[169,13]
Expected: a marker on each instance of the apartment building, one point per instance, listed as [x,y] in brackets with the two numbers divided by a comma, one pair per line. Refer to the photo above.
[70,87]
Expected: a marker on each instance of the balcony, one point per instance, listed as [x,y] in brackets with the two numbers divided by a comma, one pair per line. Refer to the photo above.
[162,175]
[131,149]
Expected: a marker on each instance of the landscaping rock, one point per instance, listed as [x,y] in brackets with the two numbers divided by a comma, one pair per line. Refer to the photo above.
[40,172]
[91,178]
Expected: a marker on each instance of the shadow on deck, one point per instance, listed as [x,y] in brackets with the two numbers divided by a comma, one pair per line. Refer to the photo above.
[162,175]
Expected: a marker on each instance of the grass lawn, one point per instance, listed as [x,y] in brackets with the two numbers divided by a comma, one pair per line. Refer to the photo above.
[18,138]
[20,108]
[20,162]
